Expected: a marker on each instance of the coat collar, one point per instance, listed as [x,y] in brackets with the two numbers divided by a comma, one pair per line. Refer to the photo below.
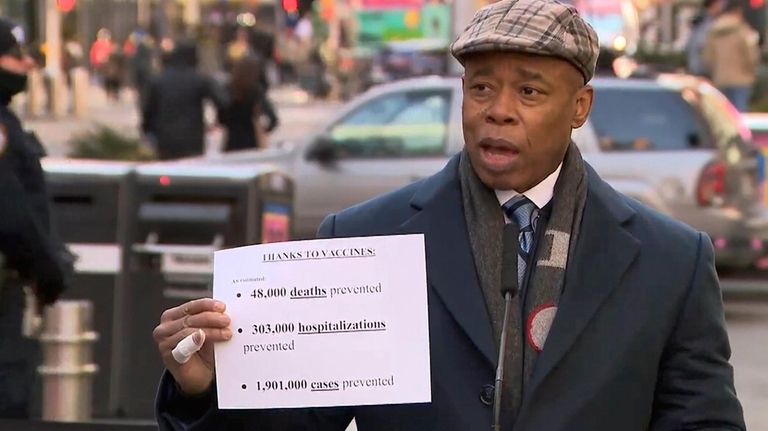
[451,270]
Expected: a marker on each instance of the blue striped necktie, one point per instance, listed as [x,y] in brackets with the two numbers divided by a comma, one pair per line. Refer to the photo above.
[525,214]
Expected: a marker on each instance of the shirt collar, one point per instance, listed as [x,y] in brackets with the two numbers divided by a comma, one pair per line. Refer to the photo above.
[540,194]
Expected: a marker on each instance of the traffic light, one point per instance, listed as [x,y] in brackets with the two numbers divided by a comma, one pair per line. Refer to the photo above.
[296,7]
[66,6]
[291,6]
[327,9]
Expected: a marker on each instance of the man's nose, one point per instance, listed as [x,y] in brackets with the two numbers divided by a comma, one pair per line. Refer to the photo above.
[503,109]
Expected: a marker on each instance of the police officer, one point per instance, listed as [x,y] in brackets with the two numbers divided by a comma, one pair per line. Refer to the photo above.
[31,258]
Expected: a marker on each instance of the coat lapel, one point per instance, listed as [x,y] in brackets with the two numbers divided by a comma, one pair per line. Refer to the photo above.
[603,254]
[450,266]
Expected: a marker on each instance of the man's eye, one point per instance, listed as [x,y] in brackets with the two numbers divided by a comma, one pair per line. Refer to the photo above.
[479,87]
[530,91]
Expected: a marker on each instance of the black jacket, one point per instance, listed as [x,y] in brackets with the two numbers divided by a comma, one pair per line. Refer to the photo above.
[173,108]
[241,116]
[25,232]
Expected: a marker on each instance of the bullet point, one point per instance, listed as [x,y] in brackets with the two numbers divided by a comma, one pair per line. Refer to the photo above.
[240,330]
[238,295]
[244,386]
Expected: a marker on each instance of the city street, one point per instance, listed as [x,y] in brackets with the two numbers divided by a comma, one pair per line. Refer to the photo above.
[746,294]
[298,118]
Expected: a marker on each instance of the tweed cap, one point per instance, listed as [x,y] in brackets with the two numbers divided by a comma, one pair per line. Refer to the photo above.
[543,27]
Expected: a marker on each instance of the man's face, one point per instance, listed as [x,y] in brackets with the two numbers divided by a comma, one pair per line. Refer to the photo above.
[16,61]
[518,112]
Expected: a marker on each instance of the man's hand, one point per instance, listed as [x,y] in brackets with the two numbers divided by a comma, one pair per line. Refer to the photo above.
[196,375]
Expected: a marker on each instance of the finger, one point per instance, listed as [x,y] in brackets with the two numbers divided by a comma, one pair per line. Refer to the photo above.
[208,319]
[188,346]
[169,343]
[193,307]
[217,334]
[211,336]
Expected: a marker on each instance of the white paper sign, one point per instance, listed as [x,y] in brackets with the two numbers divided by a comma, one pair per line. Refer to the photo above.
[323,323]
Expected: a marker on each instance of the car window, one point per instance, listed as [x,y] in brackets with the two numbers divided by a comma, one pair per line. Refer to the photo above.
[642,119]
[399,125]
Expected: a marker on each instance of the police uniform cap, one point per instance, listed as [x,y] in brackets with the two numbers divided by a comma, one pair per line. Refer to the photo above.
[11,35]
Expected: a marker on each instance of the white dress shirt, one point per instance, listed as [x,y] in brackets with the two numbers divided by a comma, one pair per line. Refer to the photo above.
[540,194]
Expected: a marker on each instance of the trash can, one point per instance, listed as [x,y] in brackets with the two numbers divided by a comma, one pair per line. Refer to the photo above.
[89,210]
[182,214]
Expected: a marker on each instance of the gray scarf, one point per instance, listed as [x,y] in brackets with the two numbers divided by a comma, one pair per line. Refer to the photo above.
[533,315]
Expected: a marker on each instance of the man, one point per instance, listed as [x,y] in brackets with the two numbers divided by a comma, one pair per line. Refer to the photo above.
[618,324]
[732,55]
[700,26]
[141,60]
[30,255]
[172,115]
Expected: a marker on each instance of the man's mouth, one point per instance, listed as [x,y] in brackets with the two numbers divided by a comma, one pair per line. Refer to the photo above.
[498,152]
[498,145]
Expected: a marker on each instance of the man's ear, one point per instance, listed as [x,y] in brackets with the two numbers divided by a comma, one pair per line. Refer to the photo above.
[584,97]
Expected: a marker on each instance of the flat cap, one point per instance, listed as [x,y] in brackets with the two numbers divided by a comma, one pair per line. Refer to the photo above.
[543,27]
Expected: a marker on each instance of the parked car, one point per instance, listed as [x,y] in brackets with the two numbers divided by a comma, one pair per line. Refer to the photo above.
[672,142]
[757,122]
[758,126]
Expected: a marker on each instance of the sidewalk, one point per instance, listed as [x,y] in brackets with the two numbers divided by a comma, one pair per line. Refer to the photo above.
[55,133]
[292,104]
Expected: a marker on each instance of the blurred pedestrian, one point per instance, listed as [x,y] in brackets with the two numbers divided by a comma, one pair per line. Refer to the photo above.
[731,55]
[172,116]
[239,48]
[32,270]
[139,51]
[605,62]
[101,48]
[249,107]
[73,58]
[263,43]
[113,75]
[100,53]
[700,26]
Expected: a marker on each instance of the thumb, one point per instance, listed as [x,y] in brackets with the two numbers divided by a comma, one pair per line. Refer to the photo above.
[199,338]
[188,346]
